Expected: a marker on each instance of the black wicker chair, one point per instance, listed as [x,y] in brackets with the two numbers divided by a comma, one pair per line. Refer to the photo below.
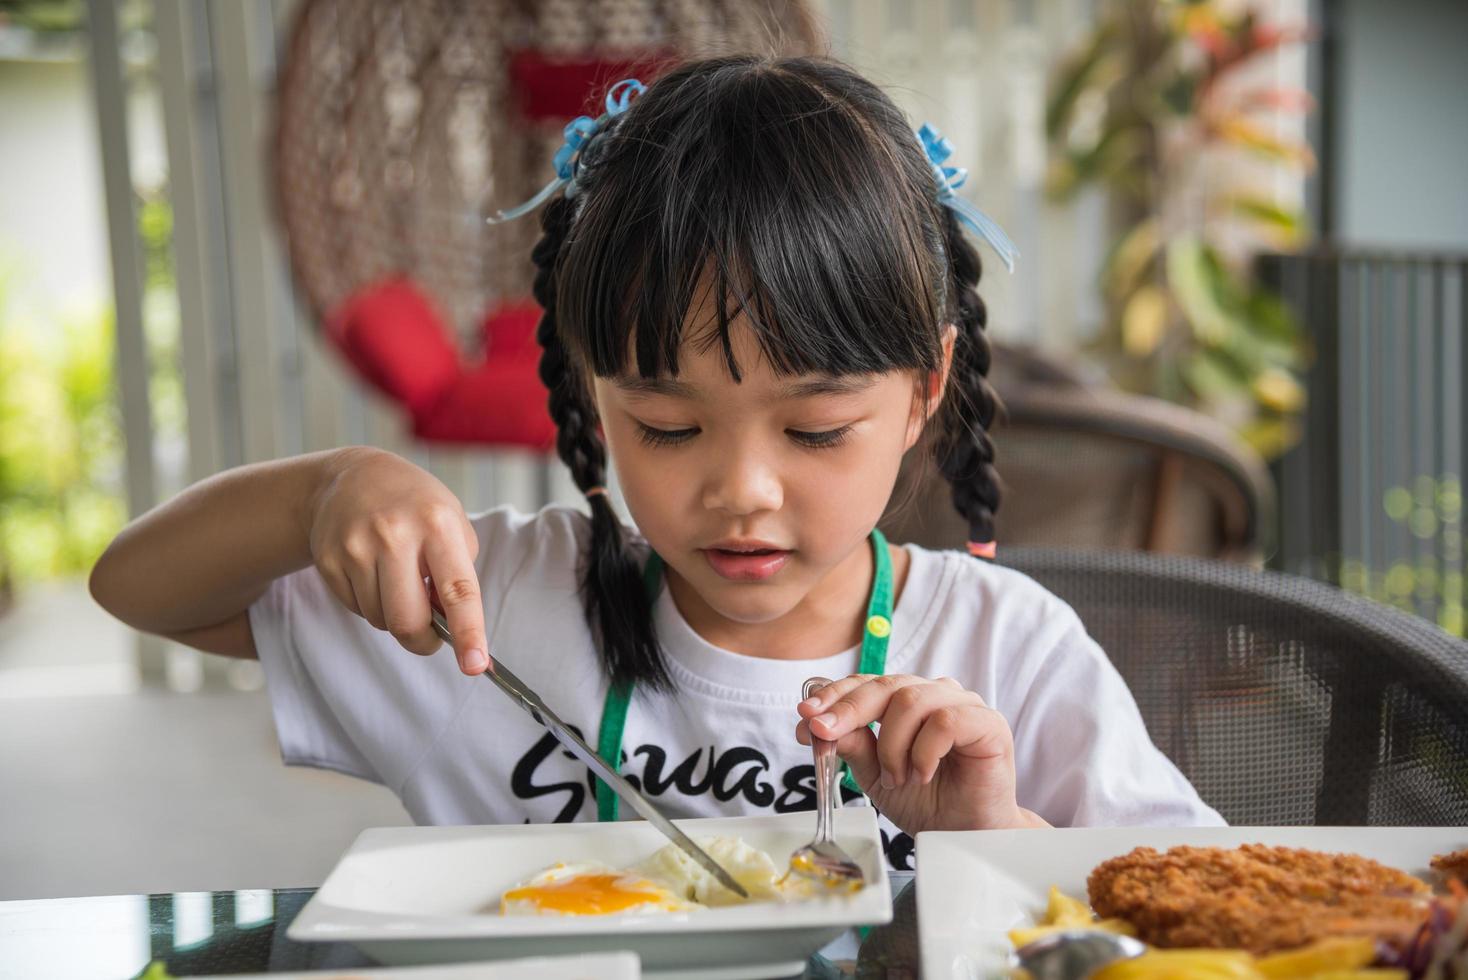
[1284,700]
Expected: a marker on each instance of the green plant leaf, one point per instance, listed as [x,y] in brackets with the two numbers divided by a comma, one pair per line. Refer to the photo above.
[1116,148]
[1127,262]
[1211,376]
[1271,317]
[1249,135]
[1077,74]
[1288,227]
[1180,95]
[1271,436]
[1193,274]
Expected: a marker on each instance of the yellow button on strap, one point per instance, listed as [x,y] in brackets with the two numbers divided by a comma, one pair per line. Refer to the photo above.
[879,626]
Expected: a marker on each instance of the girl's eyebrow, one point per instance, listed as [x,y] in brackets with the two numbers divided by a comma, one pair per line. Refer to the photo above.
[810,388]
[671,387]
[846,385]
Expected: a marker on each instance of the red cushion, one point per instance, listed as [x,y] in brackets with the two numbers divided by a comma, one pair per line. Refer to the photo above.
[510,329]
[393,336]
[500,402]
[396,339]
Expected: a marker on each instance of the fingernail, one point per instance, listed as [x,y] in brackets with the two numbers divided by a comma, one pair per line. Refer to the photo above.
[475,660]
[887,781]
[827,720]
[812,702]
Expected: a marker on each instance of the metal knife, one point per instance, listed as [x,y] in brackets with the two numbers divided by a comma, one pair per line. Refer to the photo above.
[522,695]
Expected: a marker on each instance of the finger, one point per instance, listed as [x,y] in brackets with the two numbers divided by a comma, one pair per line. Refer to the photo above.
[906,712]
[861,705]
[405,604]
[363,579]
[340,586]
[823,696]
[858,750]
[975,732]
[456,584]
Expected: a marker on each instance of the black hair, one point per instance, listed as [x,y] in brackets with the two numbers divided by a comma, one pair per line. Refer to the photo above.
[797,192]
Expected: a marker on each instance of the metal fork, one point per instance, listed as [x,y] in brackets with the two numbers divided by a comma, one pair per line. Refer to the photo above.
[822,859]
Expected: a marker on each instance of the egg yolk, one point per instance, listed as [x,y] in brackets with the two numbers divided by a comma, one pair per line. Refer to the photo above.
[589,894]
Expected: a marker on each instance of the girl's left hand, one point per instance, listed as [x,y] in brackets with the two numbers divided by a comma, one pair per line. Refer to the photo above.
[944,760]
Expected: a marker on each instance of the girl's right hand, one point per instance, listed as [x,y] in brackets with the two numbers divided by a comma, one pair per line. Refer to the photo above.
[378,526]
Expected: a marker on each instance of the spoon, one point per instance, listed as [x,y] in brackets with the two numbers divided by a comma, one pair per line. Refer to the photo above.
[822,859]
[1074,954]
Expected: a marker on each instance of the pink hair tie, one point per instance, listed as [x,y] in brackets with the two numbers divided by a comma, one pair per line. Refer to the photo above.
[983,549]
[595,492]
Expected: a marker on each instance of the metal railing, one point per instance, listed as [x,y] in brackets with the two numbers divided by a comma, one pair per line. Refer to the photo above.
[1372,497]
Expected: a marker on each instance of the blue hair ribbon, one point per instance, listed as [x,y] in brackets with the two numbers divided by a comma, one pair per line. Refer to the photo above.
[577,134]
[949,180]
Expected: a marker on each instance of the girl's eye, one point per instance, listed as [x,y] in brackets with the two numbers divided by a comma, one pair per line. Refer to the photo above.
[663,437]
[820,440]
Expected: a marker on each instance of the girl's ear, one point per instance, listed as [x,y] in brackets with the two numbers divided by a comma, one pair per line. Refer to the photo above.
[935,385]
[938,382]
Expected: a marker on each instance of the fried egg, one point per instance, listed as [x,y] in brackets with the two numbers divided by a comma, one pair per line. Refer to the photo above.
[668,881]
[589,888]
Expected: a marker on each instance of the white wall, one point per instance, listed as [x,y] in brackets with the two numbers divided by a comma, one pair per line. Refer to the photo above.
[52,221]
[1403,124]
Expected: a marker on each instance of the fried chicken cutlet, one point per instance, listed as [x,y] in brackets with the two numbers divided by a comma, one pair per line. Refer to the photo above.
[1454,865]
[1258,898]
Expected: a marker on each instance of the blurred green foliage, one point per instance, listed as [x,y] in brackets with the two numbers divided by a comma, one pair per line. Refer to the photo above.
[1150,107]
[66,16]
[61,445]
[1432,511]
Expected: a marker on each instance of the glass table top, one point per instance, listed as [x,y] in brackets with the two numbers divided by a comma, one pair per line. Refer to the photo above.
[116,937]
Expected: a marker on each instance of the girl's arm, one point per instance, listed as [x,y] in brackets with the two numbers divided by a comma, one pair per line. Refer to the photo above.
[372,523]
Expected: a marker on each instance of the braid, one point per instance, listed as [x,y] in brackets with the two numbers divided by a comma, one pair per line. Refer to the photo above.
[966,453]
[611,585]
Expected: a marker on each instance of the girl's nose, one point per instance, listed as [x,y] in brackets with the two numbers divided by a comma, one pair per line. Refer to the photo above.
[742,483]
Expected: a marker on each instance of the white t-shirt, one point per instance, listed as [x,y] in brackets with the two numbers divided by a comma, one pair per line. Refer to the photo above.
[346,697]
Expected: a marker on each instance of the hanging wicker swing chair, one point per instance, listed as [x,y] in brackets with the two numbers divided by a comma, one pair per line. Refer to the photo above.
[401,124]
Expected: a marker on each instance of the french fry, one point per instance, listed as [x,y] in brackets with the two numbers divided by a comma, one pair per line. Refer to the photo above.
[1064,910]
[1320,957]
[1183,964]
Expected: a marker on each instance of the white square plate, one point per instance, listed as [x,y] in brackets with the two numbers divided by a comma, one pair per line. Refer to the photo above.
[593,966]
[974,886]
[407,895]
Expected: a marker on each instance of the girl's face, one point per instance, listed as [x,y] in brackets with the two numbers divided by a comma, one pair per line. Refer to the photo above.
[754,492]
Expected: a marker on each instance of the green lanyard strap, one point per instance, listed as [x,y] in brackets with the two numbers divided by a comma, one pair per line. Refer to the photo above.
[874,640]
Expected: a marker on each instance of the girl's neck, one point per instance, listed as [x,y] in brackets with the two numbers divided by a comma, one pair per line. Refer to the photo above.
[831,618]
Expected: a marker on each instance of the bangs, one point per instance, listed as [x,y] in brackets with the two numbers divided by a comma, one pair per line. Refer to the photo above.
[756,194]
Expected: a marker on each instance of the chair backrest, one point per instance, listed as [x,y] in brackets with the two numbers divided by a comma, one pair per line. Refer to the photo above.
[1091,467]
[1285,701]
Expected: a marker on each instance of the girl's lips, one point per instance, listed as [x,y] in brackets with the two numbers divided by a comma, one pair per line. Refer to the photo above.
[746,566]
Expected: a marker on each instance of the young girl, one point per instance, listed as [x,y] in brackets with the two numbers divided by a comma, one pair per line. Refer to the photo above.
[758,297]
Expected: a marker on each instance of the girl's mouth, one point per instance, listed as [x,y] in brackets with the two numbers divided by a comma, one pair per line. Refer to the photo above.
[746,563]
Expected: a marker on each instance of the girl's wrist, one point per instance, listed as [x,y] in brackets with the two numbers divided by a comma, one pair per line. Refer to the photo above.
[322,470]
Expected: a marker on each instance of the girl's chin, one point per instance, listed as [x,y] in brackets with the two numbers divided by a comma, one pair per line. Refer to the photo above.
[746,604]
